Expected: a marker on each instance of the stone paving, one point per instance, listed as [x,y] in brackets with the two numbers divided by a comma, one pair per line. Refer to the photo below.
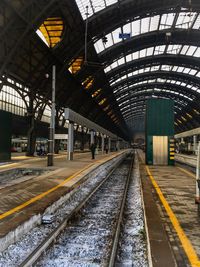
[18,194]
[179,190]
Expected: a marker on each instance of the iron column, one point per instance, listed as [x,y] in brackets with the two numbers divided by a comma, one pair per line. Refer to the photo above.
[52,122]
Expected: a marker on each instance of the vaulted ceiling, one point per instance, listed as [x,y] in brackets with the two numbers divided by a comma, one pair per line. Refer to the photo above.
[111,56]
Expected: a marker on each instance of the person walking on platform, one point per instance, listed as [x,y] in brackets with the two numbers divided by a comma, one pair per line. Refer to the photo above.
[92,148]
[106,148]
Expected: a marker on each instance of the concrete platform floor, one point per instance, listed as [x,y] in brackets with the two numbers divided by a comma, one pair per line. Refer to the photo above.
[21,201]
[173,189]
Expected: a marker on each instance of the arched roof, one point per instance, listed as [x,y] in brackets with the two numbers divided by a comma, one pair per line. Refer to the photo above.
[152,50]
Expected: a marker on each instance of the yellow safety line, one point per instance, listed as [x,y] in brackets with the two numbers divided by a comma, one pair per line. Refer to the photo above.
[34,199]
[8,165]
[30,158]
[19,157]
[189,173]
[188,248]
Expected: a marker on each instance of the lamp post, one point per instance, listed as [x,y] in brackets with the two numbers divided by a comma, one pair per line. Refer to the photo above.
[52,122]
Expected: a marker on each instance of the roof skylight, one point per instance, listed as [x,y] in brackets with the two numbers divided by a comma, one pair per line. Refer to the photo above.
[157,50]
[185,20]
[51,31]
[94,6]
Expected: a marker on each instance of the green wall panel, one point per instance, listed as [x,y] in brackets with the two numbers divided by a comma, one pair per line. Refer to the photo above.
[160,117]
[5,135]
[159,122]
[149,150]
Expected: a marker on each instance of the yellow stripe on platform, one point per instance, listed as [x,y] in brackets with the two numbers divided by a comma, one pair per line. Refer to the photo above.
[34,199]
[189,173]
[187,246]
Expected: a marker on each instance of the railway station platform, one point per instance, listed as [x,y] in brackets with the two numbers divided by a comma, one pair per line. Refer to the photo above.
[172,219]
[23,198]
[189,160]
[172,216]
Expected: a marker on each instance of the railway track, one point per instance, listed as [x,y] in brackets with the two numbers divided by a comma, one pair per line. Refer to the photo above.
[91,238]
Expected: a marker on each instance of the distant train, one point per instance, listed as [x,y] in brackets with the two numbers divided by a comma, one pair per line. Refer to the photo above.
[20,144]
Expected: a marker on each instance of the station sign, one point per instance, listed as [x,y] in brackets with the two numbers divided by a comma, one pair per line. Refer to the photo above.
[124,35]
[61,136]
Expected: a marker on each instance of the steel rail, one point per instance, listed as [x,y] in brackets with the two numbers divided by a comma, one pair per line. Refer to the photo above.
[115,240]
[46,243]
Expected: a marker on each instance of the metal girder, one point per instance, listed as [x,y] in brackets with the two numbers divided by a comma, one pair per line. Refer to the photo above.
[189,79]
[33,60]
[139,102]
[77,118]
[180,101]
[24,54]
[142,87]
[26,20]
[179,60]
[178,36]
[195,131]
[179,108]
[140,105]
[107,20]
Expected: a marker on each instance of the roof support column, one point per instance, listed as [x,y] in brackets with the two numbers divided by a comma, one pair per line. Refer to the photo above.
[52,122]
[189,147]
[91,137]
[117,145]
[102,143]
[194,143]
[82,138]
[31,131]
[109,144]
[70,143]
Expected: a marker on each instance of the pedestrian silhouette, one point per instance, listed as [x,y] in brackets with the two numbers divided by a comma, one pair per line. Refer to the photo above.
[92,148]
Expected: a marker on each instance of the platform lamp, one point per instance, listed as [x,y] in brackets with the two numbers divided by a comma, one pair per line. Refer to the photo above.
[52,121]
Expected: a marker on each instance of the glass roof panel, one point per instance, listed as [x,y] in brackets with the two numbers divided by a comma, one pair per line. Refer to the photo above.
[51,30]
[185,20]
[169,22]
[158,50]
[174,49]
[135,95]
[93,6]
[159,80]
[197,52]
[166,21]
[145,25]
[191,50]
[154,23]
[197,23]
[193,72]
[150,51]
[76,65]
[99,46]
[166,68]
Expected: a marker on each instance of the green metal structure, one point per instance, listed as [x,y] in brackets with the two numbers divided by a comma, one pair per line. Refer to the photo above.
[159,122]
[5,135]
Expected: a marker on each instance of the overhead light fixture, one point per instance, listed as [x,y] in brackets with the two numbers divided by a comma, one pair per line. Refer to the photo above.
[168,34]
